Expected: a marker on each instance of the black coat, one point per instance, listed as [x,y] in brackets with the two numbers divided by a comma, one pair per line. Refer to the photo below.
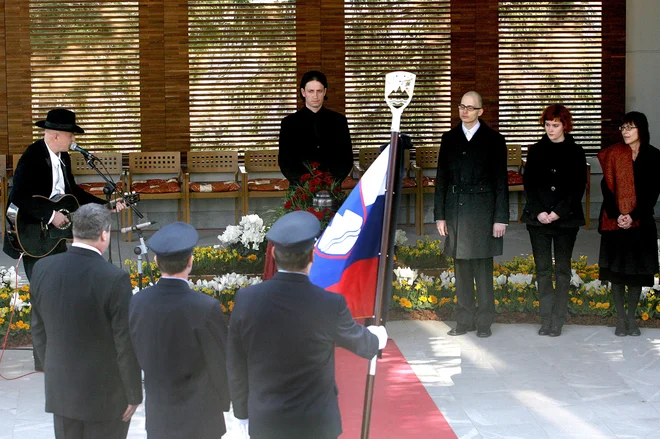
[80,330]
[471,191]
[281,361]
[179,336]
[555,178]
[322,137]
[34,176]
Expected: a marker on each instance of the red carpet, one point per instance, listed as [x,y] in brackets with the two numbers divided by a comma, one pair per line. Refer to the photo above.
[401,408]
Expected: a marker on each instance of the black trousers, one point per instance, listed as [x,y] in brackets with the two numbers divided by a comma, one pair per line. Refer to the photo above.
[553,301]
[67,428]
[468,272]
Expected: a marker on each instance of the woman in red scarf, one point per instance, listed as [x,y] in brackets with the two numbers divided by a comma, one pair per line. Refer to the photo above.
[555,178]
[628,244]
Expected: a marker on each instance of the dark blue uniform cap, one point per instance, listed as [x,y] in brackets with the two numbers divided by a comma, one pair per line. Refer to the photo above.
[174,239]
[295,232]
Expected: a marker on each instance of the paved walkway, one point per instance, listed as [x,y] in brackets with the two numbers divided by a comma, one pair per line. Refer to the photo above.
[585,384]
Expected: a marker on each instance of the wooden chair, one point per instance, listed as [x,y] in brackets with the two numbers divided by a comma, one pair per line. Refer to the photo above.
[426,162]
[270,183]
[515,161]
[211,186]
[89,180]
[164,168]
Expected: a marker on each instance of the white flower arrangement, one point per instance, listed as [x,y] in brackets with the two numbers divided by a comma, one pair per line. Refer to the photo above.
[447,279]
[400,238]
[500,280]
[576,280]
[228,281]
[406,275]
[520,279]
[250,233]
[18,303]
[9,277]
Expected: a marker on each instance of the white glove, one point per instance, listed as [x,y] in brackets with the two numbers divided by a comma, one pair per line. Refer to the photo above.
[381,333]
[243,428]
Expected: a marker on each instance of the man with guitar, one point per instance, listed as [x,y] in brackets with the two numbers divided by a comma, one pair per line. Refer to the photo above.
[42,173]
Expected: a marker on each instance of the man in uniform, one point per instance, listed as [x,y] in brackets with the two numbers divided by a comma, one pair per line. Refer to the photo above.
[315,134]
[282,337]
[80,329]
[179,336]
[472,211]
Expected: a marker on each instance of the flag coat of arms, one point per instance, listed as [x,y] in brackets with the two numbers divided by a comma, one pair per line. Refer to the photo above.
[346,255]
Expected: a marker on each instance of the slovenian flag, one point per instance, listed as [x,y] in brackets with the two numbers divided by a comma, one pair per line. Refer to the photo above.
[346,255]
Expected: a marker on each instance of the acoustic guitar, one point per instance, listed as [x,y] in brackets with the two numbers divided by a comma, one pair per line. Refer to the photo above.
[38,239]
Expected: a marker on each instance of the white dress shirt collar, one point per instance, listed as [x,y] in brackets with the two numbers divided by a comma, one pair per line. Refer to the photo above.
[470,132]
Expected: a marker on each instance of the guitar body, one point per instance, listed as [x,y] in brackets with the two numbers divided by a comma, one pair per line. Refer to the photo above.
[37,239]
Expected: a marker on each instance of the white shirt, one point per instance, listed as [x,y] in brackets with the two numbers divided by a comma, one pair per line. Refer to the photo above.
[87,247]
[469,133]
[58,176]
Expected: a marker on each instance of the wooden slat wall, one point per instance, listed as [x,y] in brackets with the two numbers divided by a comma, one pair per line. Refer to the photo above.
[164,76]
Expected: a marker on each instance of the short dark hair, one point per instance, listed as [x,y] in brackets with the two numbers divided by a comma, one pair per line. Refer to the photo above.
[292,261]
[90,220]
[641,122]
[560,113]
[313,75]
[173,264]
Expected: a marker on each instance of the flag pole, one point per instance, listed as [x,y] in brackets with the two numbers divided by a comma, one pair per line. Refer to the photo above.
[399,88]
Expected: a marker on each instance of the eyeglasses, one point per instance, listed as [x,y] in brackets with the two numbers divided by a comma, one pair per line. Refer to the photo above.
[627,127]
[468,108]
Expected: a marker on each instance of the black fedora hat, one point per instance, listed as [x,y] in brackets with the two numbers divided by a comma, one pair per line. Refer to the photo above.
[60,119]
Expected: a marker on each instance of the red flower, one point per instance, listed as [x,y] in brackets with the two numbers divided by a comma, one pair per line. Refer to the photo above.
[304,197]
[311,210]
[299,190]
[305,177]
[313,189]
[328,180]
[316,181]
[288,204]
[319,215]
[316,173]
[314,165]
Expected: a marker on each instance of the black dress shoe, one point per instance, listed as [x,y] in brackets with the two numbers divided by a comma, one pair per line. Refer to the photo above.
[484,332]
[633,329]
[621,330]
[461,330]
[555,331]
[545,330]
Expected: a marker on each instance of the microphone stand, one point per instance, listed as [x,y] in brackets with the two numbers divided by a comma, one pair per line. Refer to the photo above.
[140,250]
[109,189]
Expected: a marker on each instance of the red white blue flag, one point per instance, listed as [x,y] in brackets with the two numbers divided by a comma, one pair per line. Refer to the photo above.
[346,255]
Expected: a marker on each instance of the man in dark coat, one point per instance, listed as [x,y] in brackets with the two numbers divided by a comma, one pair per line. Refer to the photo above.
[282,337]
[179,336]
[45,169]
[80,328]
[472,211]
[315,134]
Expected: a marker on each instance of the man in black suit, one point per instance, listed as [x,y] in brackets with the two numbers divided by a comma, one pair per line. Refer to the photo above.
[282,337]
[472,211]
[315,134]
[80,329]
[179,336]
[45,169]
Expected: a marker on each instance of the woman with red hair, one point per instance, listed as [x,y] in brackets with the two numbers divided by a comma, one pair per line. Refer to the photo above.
[628,242]
[554,180]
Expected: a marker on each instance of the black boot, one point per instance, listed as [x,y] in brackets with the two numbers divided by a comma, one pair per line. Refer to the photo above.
[617,295]
[633,297]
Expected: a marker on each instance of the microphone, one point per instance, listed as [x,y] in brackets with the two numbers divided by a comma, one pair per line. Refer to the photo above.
[88,155]
[137,227]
